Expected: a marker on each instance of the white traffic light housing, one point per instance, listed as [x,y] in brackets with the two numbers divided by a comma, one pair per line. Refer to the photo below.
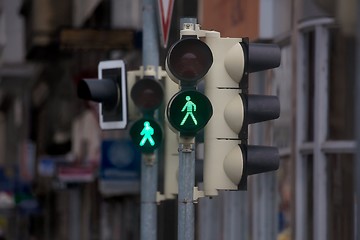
[111,93]
[228,158]
[147,95]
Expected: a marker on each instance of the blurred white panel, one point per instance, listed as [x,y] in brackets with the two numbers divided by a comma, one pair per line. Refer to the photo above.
[275,18]
[126,14]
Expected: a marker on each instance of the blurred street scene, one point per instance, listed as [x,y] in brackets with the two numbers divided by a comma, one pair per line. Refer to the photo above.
[59,172]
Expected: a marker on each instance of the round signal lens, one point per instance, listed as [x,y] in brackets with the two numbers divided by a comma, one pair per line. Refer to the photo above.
[147,94]
[189,60]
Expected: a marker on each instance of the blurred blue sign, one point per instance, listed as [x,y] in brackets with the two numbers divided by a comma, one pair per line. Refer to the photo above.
[119,168]
[46,167]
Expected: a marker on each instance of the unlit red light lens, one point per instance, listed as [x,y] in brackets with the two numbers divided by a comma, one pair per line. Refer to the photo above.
[189,59]
[147,94]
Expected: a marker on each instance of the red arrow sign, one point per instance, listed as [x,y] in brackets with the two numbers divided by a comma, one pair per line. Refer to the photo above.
[165,14]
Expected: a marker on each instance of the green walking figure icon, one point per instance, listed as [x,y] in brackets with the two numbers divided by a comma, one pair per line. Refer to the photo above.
[190,107]
[147,132]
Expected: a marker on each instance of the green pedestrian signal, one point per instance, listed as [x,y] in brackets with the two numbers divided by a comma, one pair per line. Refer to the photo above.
[190,107]
[147,94]
[189,111]
[146,133]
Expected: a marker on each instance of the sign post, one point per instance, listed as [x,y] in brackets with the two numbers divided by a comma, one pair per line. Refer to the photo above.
[186,229]
[149,165]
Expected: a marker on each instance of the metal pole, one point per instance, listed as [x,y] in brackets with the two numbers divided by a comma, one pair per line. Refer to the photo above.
[148,220]
[150,42]
[74,214]
[149,167]
[186,188]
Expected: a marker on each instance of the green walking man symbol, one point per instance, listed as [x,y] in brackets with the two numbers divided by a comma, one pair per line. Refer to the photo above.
[190,107]
[147,132]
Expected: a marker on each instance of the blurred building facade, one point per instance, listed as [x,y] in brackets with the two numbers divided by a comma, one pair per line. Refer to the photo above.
[50,142]
[312,195]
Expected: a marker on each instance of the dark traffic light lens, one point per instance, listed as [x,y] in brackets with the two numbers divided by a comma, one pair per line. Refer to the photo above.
[147,94]
[189,111]
[189,59]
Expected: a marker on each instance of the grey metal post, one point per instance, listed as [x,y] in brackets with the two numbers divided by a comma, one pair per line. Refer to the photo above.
[148,214]
[186,188]
[150,42]
[149,167]
[74,214]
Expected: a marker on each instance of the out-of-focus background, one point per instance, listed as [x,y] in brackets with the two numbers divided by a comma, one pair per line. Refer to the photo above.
[52,149]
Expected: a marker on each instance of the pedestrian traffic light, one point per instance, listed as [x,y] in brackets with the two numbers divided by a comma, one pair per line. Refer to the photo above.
[228,159]
[111,93]
[189,111]
[187,62]
[147,94]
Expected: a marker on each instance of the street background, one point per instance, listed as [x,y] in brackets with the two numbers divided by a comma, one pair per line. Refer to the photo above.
[56,163]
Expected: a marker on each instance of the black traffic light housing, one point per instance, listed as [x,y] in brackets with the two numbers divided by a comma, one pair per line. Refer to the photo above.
[110,91]
[258,108]
[187,62]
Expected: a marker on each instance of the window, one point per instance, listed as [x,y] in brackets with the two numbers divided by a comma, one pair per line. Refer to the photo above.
[324,149]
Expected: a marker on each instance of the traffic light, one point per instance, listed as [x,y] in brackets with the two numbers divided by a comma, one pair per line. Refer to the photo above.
[147,95]
[228,159]
[187,62]
[111,93]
